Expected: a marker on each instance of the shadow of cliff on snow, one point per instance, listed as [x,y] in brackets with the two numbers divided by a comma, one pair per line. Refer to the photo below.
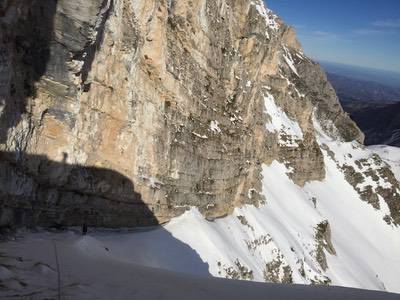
[36,191]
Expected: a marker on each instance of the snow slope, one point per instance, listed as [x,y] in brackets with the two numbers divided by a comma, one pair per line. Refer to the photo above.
[282,233]
[91,269]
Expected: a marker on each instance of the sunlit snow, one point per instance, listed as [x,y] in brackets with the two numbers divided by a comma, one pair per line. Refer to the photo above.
[289,130]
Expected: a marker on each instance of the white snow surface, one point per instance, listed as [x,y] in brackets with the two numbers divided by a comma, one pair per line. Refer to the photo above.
[100,266]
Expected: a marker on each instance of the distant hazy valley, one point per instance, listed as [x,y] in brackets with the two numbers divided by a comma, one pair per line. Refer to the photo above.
[374,105]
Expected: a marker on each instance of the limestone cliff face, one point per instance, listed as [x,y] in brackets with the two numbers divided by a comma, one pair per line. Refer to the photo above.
[122,112]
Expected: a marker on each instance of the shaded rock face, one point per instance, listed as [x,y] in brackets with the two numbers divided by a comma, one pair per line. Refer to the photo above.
[35,190]
[171,95]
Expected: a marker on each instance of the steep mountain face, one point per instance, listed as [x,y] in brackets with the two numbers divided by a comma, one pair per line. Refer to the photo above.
[168,94]
[203,113]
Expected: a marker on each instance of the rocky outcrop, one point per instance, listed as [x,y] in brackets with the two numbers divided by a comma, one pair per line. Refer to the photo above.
[171,97]
[323,240]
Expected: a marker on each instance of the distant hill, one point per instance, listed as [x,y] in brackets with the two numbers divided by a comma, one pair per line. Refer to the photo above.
[349,88]
[387,78]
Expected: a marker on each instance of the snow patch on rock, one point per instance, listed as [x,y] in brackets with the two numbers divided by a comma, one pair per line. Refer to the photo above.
[289,130]
[214,127]
[271,20]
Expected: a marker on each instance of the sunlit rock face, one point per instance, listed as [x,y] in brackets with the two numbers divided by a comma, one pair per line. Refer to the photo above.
[185,100]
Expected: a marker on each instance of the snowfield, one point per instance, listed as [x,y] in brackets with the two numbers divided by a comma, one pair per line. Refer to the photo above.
[93,269]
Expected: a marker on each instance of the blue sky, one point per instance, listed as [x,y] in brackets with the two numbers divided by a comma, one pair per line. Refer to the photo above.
[357,32]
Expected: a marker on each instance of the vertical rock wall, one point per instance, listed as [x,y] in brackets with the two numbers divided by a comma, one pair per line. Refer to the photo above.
[168,98]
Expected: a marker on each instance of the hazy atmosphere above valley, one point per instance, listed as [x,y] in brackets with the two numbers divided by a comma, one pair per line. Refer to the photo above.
[210,149]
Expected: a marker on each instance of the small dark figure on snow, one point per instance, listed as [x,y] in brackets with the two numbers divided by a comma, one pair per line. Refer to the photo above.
[84,229]
[84,223]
